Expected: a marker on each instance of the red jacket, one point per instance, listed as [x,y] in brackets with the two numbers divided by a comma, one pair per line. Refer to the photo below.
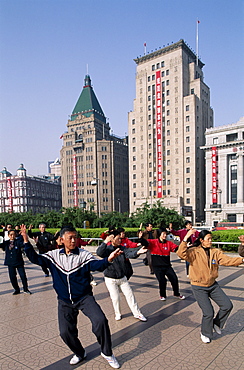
[161,249]
[128,243]
[80,243]
[182,233]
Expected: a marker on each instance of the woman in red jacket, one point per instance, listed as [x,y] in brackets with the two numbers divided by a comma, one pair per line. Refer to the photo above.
[160,251]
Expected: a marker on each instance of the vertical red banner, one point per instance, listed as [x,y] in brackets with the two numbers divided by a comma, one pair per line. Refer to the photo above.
[10,195]
[75,181]
[159,132]
[214,176]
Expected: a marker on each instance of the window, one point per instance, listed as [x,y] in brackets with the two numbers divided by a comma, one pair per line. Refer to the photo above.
[133,140]
[168,142]
[188,200]
[167,82]
[149,78]
[188,170]
[153,67]
[168,122]
[149,107]
[162,74]
[149,98]
[162,64]
[168,132]
[149,137]
[187,118]
[168,152]
[149,117]
[232,137]
[153,77]
[188,190]
[134,158]
[192,91]
[134,195]
[188,180]
[187,108]
[188,139]
[187,159]
[134,149]
[104,148]
[215,140]
[134,167]
[167,102]
[168,162]
[168,172]
[167,72]
[158,65]
[168,182]
[134,185]
[187,128]
[168,113]
[187,149]
[167,92]
[133,131]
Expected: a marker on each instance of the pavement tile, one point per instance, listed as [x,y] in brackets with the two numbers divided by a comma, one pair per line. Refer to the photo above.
[170,339]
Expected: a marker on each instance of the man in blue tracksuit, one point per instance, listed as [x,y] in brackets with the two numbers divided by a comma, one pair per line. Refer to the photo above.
[70,268]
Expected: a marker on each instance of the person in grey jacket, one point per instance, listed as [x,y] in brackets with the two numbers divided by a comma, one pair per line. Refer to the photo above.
[115,274]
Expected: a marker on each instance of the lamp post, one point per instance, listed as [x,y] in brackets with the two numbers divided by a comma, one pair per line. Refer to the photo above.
[95,182]
[119,202]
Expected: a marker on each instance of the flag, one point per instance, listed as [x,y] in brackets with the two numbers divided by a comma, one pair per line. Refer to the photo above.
[145,44]
[61,137]
[198,21]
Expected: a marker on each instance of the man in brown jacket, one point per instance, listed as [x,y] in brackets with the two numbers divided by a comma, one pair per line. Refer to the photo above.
[204,263]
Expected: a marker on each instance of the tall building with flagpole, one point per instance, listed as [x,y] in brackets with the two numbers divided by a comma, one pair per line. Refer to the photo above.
[94,164]
[166,129]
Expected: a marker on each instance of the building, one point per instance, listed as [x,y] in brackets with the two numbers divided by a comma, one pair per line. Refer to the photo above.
[166,129]
[23,193]
[54,167]
[224,154]
[94,164]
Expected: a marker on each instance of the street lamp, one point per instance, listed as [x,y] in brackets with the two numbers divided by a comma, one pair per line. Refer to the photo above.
[83,204]
[95,182]
[118,200]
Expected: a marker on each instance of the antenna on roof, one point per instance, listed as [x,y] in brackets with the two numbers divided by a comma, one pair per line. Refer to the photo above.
[87,69]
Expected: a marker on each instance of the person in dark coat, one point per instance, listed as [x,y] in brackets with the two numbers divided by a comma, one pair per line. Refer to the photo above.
[44,242]
[14,261]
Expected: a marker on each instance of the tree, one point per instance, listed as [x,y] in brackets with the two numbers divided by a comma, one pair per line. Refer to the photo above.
[157,215]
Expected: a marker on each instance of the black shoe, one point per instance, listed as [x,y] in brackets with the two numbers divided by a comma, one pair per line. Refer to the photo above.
[27,291]
[16,292]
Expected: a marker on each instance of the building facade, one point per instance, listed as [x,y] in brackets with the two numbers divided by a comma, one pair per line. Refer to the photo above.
[224,154]
[23,193]
[94,164]
[166,129]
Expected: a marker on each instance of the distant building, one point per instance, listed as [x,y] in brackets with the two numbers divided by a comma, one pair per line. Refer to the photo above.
[166,129]
[94,163]
[224,154]
[23,193]
[54,167]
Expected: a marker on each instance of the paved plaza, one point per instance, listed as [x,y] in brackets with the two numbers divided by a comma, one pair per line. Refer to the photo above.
[170,339]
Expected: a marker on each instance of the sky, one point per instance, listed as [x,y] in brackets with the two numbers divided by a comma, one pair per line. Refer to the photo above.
[46,47]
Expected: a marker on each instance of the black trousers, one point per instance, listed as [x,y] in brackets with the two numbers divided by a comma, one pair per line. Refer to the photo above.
[160,273]
[12,270]
[67,318]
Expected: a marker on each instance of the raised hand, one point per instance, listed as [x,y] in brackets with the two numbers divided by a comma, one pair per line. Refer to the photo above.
[114,254]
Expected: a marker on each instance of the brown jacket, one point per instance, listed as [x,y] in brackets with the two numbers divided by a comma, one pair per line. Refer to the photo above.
[203,272]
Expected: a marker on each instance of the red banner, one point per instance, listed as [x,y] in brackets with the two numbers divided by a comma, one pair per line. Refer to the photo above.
[159,132]
[214,176]
[10,195]
[75,181]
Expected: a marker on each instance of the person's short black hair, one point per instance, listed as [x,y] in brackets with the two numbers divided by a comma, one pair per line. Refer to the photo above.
[162,230]
[121,230]
[148,223]
[115,233]
[67,230]
[188,222]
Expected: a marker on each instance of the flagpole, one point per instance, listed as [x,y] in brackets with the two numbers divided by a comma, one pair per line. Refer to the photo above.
[197,40]
[145,48]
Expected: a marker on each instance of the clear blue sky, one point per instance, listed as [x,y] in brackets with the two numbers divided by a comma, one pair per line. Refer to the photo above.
[45,46]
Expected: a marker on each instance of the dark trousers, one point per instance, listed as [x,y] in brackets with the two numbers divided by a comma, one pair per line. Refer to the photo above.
[44,268]
[149,259]
[160,273]
[202,296]
[12,270]
[67,318]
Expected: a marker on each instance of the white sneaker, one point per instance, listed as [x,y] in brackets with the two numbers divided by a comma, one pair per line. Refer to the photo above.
[180,296]
[76,359]
[140,317]
[93,282]
[205,339]
[118,317]
[217,329]
[162,298]
[111,360]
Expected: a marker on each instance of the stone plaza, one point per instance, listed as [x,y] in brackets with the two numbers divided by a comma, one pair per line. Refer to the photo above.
[170,339]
